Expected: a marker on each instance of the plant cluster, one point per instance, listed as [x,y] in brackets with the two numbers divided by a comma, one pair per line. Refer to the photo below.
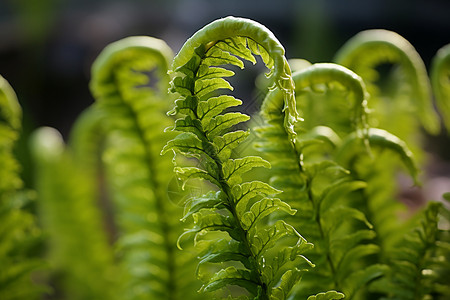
[321,221]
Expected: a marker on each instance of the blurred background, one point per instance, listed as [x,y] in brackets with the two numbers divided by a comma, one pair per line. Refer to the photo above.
[47,46]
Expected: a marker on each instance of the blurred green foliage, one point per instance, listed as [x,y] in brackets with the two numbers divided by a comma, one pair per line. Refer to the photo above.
[103,217]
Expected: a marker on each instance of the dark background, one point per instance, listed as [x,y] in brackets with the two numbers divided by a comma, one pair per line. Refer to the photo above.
[47,46]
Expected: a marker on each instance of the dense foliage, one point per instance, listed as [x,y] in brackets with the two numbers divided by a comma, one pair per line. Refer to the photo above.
[296,201]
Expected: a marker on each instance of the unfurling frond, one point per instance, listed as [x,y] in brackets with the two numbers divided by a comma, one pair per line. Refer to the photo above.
[319,189]
[130,83]
[227,41]
[239,208]
[440,82]
[370,48]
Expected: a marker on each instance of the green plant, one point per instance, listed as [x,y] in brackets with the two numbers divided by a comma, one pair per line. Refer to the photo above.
[237,208]
[18,231]
[134,108]
[317,187]
[401,97]
[78,252]
[320,222]
[113,153]
[440,82]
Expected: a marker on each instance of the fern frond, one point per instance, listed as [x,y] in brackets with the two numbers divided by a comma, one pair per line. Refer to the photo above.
[378,200]
[239,208]
[134,120]
[439,76]
[319,189]
[316,76]
[351,147]
[417,261]
[224,41]
[370,48]
[79,253]
[18,230]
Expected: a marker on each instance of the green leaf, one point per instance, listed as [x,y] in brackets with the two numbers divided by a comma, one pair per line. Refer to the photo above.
[446,196]
[266,238]
[195,204]
[187,124]
[362,277]
[233,168]
[261,51]
[205,72]
[342,244]
[190,67]
[184,86]
[346,265]
[231,276]
[330,295]
[262,208]
[336,190]
[337,215]
[382,138]
[205,86]
[220,123]
[217,57]
[229,141]
[325,134]
[325,166]
[186,143]
[354,146]
[286,255]
[206,110]
[223,250]
[287,282]
[186,173]
[243,193]
[185,106]
[237,46]
[209,220]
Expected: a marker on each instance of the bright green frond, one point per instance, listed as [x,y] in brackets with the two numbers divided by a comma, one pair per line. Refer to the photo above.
[440,82]
[209,135]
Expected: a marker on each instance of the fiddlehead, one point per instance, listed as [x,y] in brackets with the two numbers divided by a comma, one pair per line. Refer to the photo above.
[253,40]
[317,188]
[368,49]
[440,81]
[326,76]
[134,122]
[18,231]
[237,208]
